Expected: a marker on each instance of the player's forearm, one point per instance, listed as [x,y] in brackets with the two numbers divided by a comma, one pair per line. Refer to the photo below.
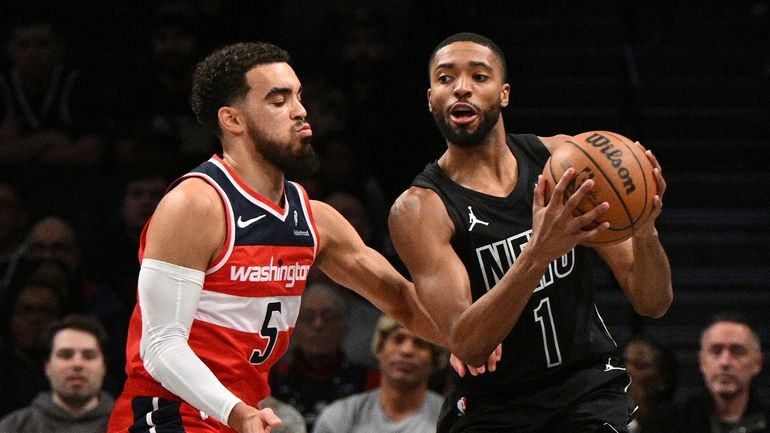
[418,319]
[168,299]
[483,325]
[649,279]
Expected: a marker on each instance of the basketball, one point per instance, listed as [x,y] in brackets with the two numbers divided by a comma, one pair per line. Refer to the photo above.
[622,177]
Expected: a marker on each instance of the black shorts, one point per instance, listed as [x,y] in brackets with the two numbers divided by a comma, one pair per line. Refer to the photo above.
[592,400]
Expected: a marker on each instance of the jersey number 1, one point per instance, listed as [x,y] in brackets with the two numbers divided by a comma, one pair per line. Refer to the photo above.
[544,317]
[269,332]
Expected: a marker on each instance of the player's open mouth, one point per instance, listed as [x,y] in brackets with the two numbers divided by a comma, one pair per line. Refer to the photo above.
[463,113]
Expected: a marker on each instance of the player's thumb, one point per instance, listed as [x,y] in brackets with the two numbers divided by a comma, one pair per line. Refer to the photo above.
[270,418]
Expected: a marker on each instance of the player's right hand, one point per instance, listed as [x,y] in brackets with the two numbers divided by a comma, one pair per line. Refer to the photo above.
[556,226]
[246,419]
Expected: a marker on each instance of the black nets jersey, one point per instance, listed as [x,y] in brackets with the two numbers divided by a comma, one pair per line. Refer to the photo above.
[560,330]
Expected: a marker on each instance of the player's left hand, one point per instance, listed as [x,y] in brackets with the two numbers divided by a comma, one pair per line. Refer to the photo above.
[491,365]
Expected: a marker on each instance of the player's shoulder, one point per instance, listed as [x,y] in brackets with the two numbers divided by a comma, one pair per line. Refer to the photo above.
[416,201]
[190,197]
[553,142]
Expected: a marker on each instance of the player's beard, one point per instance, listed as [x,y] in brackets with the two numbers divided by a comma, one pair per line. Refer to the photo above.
[293,163]
[461,136]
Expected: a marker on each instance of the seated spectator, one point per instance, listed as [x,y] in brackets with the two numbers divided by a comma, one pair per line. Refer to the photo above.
[118,261]
[730,358]
[402,403]
[47,111]
[653,377]
[14,216]
[32,308]
[159,104]
[54,240]
[75,369]
[316,371]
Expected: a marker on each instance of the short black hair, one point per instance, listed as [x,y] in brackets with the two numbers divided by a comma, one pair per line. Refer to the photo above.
[477,39]
[78,322]
[220,79]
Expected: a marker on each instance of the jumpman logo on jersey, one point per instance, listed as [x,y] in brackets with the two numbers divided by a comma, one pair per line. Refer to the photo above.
[609,366]
[473,220]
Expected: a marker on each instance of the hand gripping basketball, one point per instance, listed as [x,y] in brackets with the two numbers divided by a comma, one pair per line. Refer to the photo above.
[622,176]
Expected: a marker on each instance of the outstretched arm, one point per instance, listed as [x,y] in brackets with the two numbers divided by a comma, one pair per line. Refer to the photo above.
[345,258]
[640,264]
[186,232]
[422,232]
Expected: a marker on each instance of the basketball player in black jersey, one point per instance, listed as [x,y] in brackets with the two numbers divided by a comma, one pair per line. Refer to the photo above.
[492,263]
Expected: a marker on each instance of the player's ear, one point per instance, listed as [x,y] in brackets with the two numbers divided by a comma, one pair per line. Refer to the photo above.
[430,107]
[505,93]
[230,119]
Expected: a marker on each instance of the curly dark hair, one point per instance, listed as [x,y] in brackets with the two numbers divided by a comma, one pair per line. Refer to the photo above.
[220,79]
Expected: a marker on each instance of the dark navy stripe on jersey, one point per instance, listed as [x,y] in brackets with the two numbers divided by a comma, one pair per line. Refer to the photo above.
[165,419]
[262,224]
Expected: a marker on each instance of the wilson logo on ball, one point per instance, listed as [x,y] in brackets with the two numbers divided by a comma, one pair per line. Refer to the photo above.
[615,156]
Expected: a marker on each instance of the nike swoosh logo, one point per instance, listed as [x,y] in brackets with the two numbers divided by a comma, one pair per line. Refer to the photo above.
[243,224]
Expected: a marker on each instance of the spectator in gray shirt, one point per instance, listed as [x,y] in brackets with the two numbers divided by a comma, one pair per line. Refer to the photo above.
[402,403]
[75,369]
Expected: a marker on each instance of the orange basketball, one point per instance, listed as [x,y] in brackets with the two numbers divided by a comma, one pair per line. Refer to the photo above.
[622,177]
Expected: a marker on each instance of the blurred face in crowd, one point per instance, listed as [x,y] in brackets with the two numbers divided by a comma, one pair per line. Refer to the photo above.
[466,92]
[354,211]
[36,308]
[140,199]
[729,358]
[174,49]
[321,324]
[34,50]
[643,366]
[76,368]
[405,360]
[53,239]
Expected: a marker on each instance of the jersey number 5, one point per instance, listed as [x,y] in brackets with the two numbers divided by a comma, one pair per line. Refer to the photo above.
[544,317]
[269,332]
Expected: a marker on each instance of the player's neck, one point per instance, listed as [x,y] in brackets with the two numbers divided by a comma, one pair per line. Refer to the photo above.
[490,168]
[400,403]
[259,174]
